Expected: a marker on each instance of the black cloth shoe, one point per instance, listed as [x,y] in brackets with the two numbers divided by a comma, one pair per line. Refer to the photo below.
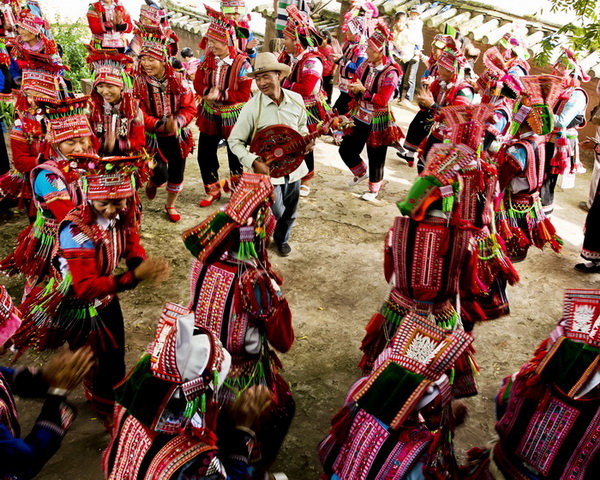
[284,249]
[585,268]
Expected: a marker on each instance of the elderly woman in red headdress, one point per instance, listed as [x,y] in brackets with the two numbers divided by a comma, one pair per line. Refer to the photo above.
[168,106]
[55,185]
[372,87]
[80,304]
[32,33]
[223,88]
[41,79]
[109,22]
[116,116]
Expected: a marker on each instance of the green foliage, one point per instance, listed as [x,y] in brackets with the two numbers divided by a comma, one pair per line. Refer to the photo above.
[583,35]
[72,38]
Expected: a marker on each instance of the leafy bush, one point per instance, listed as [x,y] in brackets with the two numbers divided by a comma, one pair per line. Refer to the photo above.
[72,39]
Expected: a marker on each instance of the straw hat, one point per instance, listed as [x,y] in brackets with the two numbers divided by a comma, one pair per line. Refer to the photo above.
[267,62]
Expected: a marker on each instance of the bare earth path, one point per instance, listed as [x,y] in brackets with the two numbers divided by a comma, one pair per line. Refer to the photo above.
[334,282]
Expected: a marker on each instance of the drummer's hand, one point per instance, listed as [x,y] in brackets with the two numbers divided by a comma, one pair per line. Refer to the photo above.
[261,167]
[309,147]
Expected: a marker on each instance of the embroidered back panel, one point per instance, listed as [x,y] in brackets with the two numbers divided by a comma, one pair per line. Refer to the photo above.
[134,442]
[177,452]
[213,303]
[370,452]
[428,257]
[581,315]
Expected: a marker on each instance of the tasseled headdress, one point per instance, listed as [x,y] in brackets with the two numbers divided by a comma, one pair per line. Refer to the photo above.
[176,379]
[66,119]
[573,68]
[543,92]
[112,177]
[301,29]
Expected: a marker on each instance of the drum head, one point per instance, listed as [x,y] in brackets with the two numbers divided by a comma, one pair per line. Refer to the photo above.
[275,142]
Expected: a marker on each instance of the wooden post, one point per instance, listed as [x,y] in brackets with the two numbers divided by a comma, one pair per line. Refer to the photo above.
[344,7]
[270,34]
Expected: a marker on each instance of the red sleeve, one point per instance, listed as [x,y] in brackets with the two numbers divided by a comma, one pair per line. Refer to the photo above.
[242,94]
[137,134]
[134,248]
[24,155]
[95,21]
[88,284]
[306,85]
[382,97]
[187,108]
[200,83]
[126,19]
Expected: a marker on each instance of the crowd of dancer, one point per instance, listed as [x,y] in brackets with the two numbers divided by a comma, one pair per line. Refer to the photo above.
[207,399]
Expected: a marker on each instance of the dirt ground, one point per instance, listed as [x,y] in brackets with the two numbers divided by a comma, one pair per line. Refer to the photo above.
[334,283]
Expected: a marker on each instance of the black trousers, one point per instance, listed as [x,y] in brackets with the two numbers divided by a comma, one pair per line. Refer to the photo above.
[342,104]
[353,144]
[173,169]
[208,161]
[550,180]
[109,350]
[328,87]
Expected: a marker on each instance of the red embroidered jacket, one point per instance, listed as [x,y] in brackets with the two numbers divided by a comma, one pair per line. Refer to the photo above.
[233,84]
[93,252]
[160,99]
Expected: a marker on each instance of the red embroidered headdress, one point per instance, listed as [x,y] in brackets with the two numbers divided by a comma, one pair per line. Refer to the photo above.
[66,119]
[252,193]
[452,60]
[41,75]
[109,66]
[543,92]
[175,379]
[380,38]
[154,42]
[220,29]
[572,66]
[300,28]
[112,177]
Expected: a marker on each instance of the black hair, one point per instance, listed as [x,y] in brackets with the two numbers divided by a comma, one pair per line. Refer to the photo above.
[187,52]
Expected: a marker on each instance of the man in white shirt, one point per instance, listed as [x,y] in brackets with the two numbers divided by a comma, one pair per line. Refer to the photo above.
[273,105]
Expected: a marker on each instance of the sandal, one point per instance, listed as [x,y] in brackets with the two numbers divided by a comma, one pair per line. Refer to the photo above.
[304,190]
[209,200]
[172,214]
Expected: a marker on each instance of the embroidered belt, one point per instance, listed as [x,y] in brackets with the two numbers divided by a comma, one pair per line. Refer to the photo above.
[401,304]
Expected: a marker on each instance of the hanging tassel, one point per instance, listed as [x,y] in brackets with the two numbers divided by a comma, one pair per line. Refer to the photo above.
[447,193]
[191,407]
[247,249]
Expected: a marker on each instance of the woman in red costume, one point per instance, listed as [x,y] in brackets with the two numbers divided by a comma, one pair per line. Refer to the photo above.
[109,22]
[168,106]
[116,117]
[223,87]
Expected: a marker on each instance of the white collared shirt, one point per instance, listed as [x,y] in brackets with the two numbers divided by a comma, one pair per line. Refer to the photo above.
[290,112]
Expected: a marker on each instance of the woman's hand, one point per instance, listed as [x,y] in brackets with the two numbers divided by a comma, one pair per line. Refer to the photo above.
[424,98]
[250,406]
[65,370]
[155,269]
